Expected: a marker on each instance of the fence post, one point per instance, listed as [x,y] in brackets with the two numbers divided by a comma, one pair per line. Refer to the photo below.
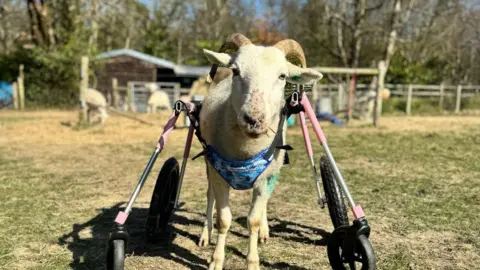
[459,98]
[340,96]
[382,71]
[15,95]
[115,93]
[442,90]
[351,97]
[176,95]
[83,88]
[21,89]
[129,96]
[409,99]
[314,97]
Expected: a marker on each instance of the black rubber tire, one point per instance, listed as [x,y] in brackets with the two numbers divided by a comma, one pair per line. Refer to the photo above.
[333,194]
[363,249]
[116,255]
[163,199]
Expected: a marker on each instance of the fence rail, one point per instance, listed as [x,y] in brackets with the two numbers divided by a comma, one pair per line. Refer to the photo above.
[409,91]
[362,96]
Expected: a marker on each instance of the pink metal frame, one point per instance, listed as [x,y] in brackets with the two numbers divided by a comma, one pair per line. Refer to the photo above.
[122,216]
[356,209]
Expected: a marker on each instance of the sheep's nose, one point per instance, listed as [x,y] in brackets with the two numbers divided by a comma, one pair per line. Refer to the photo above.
[250,120]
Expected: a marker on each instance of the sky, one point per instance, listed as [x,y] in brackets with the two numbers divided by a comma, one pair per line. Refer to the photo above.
[258,4]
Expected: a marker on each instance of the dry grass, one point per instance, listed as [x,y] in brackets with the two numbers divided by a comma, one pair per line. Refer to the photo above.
[416,177]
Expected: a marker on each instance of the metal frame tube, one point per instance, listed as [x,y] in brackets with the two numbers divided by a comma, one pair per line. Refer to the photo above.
[308,146]
[323,141]
[186,152]
[338,175]
[161,143]
[143,178]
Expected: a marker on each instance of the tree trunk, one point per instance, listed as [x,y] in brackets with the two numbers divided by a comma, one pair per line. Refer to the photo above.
[396,23]
[179,49]
[340,38]
[41,25]
[360,6]
[92,40]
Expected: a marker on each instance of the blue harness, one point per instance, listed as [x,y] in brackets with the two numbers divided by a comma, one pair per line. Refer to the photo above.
[239,174]
[242,174]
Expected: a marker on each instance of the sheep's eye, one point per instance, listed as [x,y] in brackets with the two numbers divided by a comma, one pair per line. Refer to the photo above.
[282,77]
[235,71]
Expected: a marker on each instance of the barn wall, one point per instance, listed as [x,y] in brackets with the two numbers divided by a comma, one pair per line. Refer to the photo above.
[125,69]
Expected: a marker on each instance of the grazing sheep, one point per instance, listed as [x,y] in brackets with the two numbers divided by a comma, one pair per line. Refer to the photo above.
[239,120]
[95,101]
[157,98]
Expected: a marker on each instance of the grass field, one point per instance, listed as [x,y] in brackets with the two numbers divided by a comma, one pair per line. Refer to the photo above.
[417,178]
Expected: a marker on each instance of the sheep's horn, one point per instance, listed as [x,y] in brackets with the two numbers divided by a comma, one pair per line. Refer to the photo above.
[292,49]
[232,42]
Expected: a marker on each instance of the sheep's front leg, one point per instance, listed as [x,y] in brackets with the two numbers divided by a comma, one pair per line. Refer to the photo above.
[89,115]
[264,234]
[257,211]
[103,115]
[206,236]
[224,218]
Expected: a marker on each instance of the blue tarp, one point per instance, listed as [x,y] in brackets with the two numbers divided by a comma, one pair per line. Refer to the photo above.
[6,94]
[330,117]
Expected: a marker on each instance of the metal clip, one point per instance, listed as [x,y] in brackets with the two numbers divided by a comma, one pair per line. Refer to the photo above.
[295,98]
[178,106]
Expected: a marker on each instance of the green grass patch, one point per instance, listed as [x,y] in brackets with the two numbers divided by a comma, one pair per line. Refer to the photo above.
[15,119]
[427,106]
[409,183]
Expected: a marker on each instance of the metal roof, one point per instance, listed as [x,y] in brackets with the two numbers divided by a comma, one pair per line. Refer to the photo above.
[182,70]
[191,70]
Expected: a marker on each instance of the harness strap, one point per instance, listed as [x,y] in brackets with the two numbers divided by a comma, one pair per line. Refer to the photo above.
[278,140]
[277,143]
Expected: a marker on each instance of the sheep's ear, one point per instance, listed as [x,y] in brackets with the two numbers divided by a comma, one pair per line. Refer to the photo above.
[217,58]
[300,75]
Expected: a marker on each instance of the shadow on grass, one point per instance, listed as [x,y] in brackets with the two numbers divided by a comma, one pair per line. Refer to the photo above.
[87,241]
[291,231]
[89,252]
[277,265]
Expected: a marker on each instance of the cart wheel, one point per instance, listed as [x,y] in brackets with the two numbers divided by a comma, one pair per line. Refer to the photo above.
[333,194]
[363,256]
[116,255]
[163,200]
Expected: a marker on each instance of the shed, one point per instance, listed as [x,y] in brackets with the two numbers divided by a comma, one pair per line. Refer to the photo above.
[132,66]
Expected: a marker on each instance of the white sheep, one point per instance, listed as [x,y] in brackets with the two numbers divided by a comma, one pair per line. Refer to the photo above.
[157,98]
[95,101]
[239,118]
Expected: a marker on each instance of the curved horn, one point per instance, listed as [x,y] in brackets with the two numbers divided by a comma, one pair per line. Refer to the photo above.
[232,42]
[292,49]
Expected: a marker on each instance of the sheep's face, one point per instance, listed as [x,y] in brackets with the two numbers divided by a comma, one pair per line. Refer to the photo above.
[259,75]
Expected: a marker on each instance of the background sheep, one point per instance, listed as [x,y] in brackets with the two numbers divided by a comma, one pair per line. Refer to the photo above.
[157,98]
[95,101]
[245,108]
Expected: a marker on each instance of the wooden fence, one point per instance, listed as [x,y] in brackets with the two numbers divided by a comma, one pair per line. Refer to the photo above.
[135,95]
[409,91]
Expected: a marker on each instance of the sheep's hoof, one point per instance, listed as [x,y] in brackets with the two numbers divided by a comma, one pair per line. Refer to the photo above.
[216,265]
[204,238]
[263,234]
